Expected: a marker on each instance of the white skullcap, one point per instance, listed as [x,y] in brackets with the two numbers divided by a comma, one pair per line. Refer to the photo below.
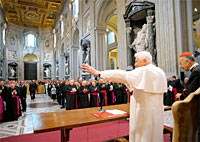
[144,55]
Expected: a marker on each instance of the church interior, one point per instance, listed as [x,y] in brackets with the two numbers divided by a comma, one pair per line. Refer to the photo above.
[47,41]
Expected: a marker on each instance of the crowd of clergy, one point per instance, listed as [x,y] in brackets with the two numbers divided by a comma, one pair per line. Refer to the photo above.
[70,94]
[73,94]
[12,100]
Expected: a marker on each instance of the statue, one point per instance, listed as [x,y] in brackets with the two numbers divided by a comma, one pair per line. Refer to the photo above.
[86,60]
[47,56]
[66,68]
[57,70]
[47,72]
[141,41]
[12,72]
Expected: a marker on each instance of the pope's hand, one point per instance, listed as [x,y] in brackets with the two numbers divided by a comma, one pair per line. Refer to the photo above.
[178,95]
[89,69]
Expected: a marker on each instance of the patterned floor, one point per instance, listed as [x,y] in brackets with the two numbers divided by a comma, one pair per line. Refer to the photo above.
[24,125]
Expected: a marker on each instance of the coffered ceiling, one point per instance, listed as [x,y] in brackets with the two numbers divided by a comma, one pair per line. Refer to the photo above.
[39,14]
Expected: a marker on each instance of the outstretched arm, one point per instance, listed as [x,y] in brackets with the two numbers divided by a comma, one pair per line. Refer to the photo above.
[89,69]
[118,76]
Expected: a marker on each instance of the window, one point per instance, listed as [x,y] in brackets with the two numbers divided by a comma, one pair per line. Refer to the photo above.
[30,40]
[111,38]
[4,36]
[54,40]
[75,8]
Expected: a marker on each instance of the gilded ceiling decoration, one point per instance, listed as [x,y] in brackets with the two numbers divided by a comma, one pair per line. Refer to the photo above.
[39,14]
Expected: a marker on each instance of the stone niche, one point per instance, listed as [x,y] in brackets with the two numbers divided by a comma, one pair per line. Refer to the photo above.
[67,63]
[12,71]
[86,57]
[140,27]
[57,69]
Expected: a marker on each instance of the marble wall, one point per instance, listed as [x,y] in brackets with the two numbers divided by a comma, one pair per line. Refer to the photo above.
[173,36]
[91,25]
[16,51]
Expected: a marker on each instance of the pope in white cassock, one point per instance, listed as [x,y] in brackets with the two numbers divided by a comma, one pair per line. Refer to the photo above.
[148,84]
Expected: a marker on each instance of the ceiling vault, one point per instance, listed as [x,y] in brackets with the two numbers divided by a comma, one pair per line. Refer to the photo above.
[39,14]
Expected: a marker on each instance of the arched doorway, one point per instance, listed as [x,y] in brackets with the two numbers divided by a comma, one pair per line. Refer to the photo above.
[30,67]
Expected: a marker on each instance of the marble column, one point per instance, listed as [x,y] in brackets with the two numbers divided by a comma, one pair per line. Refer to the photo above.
[151,34]
[92,38]
[166,36]
[101,49]
[121,32]
[61,66]
[54,66]
[74,62]
[130,51]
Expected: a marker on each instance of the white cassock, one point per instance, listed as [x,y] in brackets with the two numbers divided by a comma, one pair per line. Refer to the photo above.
[146,107]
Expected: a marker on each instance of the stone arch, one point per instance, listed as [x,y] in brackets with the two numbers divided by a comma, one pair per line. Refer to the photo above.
[30,58]
[104,10]
[112,24]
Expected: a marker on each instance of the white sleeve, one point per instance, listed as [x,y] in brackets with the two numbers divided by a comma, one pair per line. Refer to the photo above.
[118,76]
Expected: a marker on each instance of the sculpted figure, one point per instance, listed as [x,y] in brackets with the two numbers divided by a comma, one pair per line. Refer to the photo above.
[12,72]
[47,72]
[141,41]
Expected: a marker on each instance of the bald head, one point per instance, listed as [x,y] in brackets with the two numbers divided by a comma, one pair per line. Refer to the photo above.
[186,62]
[84,83]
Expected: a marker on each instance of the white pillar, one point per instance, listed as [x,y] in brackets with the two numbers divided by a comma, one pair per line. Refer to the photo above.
[166,36]
[61,66]
[121,32]
[101,49]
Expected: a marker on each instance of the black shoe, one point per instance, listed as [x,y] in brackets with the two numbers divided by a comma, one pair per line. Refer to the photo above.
[62,107]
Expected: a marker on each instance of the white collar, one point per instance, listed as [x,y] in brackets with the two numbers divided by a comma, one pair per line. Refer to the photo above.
[195,64]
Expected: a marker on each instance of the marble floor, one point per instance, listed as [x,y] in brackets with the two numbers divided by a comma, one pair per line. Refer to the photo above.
[24,124]
[43,103]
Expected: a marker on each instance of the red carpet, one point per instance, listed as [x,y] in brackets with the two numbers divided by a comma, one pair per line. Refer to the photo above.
[92,133]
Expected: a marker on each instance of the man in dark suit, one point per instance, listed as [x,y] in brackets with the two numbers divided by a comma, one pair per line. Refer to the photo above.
[23,91]
[188,63]
[62,93]
[32,88]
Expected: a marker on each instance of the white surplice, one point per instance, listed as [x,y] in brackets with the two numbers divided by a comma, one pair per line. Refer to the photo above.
[146,107]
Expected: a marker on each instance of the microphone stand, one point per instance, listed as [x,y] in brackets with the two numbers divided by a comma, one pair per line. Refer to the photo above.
[101,105]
